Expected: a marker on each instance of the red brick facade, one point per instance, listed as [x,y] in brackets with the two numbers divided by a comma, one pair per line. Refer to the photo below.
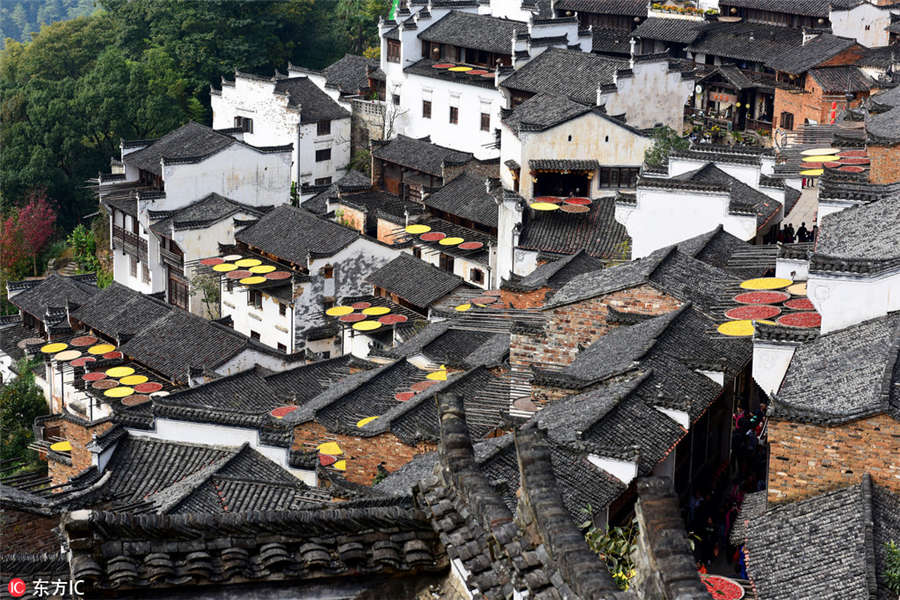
[574,326]
[813,104]
[22,531]
[79,436]
[533,299]
[806,460]
[363,455]
[885,163]
[387,232]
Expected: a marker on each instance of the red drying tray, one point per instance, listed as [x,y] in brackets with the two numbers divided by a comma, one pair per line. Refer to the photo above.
[800,304]
[393,319]
[84,340]
[801,319]
[105,384]
[211,262]
[443,66]
[148,388]
[135,399]
[360,305]
[95,376]
[239,274]
[278,275]
[762,297]
[281,411]
[83,361]
[113,355]
[579,201]
[852,169]
[753,312]
[352,318]
[403,396]
[470,246]
[432,236]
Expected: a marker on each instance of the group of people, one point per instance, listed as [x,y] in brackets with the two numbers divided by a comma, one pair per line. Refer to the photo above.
[711,513]
[787,235]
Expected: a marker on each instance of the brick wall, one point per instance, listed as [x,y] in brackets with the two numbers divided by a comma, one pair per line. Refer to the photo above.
[350,217]
[805,460]
[812,103]
[389,232]
[79,436]
[22,531]
[885,164]
[577,325]
[363,455]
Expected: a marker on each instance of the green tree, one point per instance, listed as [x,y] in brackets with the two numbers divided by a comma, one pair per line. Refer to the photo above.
[615,546]
[892,566]
[359,19]
[21,401]
[665,140]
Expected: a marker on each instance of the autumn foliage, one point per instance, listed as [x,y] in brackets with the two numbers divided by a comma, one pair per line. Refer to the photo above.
[25,233]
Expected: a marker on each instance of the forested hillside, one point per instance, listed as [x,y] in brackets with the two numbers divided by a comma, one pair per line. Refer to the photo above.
[139,69]
[20,18]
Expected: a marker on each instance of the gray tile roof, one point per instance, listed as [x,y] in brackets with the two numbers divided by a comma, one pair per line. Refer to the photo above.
[466,197]
[190,141]
[826,547]
[120,309]
[842,79]
[315,105]
[597,232]
[631,8]
[570,73]
[815,52]
[291,234]
[349,74]
[53,291]
[743,197]
[440,343]
[482,32]
[10,336]
[206,211]
[419,154]
[415,280]
[667,269]
[715,248]
[679,31]
[178,477]
[871,231]
[883,120]
[556,273]
[543,111]
[753,42]
[353,181]
[669,348]
[380,204]
[844,375]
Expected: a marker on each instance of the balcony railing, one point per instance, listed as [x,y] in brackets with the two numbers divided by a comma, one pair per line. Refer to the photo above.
[130,243]
[172,259]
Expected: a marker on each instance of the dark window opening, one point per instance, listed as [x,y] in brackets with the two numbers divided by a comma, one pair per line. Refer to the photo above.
[244,124]
[787,120]
[395,98]
[476,275]
[485,122]
[323,181]
[323,127]
[282,309]
[323,155]
[446,263]
[426,109]
[393,51]
[417,252]
[282,348]
[254,335]
[254,298]
[454,115]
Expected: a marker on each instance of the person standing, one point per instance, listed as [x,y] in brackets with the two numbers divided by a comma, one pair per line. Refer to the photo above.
[803,233]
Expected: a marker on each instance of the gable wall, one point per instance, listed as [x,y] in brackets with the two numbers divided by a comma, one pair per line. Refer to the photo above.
[806,460]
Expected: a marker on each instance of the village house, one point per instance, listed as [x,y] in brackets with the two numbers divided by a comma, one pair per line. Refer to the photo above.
[818,80]
[303,264]
[345,79]
[281,111]
[198,180]
[705,187]
[458,104]
[834,417]
[854,273]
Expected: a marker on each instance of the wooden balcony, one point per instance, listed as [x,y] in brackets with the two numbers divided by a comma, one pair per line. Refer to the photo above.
[129,242]
[174,260]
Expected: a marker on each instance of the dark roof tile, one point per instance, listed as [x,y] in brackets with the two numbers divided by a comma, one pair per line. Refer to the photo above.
[482,32]
[415,281]
[597,232]
[466,197]
[315,105]
[291,234]
[815,52]
[53,291]
[419,154]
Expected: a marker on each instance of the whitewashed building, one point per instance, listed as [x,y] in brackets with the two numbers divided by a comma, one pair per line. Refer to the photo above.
[321,262]
[196,179]
[288,110]
[458,105]
[704,187]
[854,272]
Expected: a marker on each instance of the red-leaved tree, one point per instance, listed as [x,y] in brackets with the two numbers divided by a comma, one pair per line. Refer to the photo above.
[13,256]
[36,221]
